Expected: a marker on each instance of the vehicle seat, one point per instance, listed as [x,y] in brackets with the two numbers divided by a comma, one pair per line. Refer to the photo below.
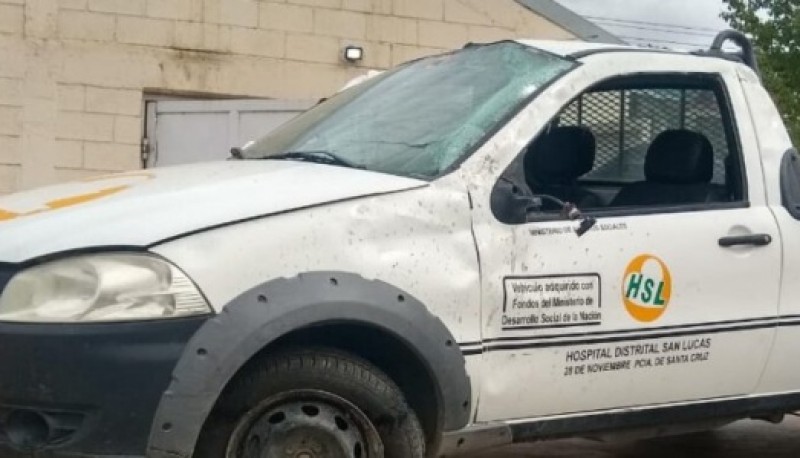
[556,160]
[678,170]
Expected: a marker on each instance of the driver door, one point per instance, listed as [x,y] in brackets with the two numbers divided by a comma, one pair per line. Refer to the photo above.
[651,306]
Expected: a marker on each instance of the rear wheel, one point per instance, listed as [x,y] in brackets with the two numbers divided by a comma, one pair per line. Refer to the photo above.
[312,403]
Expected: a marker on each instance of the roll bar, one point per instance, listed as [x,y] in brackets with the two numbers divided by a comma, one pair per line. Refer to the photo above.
[746,55]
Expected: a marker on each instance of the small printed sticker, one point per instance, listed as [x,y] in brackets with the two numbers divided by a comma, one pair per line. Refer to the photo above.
[551,301]
[646,288]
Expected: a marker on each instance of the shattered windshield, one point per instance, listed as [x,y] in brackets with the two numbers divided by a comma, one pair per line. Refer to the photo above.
[420,118]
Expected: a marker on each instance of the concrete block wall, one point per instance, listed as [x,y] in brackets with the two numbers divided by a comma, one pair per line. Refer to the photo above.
[74,72]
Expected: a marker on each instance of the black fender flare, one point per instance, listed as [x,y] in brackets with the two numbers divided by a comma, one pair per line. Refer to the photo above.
[269,311]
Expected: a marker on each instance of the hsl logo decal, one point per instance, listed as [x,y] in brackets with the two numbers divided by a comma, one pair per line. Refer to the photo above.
[646,288]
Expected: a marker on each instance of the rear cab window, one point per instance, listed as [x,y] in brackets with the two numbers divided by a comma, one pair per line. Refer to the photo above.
[626,122]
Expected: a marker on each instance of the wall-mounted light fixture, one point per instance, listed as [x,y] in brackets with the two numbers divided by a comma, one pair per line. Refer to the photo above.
[353,54]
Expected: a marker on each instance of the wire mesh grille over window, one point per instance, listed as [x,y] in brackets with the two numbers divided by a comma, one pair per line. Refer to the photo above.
[626,122]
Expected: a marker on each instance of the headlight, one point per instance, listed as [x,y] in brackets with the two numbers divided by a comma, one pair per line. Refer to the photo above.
[104,287]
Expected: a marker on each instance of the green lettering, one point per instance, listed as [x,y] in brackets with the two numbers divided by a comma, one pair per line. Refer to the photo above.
[633,285]
[659,294]
[647,294]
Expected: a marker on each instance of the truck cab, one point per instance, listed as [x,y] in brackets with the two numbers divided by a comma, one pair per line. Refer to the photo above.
[516,241]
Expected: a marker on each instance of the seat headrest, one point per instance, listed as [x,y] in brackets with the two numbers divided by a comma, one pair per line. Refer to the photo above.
[680,157]
[560,155]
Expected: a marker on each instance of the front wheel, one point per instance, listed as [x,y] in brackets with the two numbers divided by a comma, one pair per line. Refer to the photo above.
[312,403]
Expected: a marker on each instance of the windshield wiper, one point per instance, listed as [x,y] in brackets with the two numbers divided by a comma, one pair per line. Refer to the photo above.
[319,157]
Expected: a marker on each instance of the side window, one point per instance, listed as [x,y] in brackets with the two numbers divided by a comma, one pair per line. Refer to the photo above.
[790,182]
[625,123]
[639,143]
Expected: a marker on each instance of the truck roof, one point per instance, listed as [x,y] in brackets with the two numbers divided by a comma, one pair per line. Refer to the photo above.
[577,49]
[567,48]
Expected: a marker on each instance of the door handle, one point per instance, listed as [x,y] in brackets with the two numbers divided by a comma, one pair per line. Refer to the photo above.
[751,239]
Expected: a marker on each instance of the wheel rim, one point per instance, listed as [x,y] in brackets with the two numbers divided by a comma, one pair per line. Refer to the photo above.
[305,424]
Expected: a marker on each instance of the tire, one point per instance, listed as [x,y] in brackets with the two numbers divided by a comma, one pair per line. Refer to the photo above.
[294,373]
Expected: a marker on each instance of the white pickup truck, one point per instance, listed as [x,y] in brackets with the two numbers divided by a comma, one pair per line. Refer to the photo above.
[511,242]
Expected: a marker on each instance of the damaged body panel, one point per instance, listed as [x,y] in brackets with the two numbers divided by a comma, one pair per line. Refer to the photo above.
[387,240]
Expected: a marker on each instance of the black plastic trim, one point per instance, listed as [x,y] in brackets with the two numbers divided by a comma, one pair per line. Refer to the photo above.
[108,377]
[790,182]
[622,335]
[7,271]
[748,54]
[612,339]
[656,210]
[745,240]
[274,309]
[594,423]
[640,211]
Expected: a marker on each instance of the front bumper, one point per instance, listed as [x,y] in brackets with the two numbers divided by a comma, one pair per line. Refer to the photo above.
[83,390]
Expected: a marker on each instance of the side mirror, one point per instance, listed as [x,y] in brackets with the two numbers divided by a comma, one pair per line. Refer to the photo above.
[513,206]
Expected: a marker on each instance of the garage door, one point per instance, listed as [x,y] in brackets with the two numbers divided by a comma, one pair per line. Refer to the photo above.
[181,132]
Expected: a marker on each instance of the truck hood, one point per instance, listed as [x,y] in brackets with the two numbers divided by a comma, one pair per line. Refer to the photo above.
[138,209]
